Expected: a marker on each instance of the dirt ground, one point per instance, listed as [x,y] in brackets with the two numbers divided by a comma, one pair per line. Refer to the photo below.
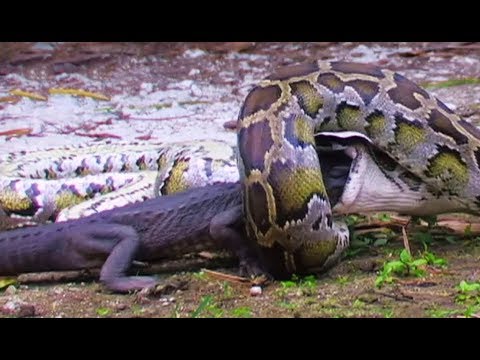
[178,91]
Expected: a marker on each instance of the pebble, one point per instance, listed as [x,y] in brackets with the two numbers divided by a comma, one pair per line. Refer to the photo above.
[255,291]
[120,307]
[194,72]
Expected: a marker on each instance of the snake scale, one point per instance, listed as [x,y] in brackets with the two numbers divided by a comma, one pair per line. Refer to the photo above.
[406,151]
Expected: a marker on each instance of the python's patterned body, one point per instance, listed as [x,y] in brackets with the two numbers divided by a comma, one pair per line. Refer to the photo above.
[64,183]
[285,199]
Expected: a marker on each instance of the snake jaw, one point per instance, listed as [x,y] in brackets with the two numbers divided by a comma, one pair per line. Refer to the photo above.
[354,184]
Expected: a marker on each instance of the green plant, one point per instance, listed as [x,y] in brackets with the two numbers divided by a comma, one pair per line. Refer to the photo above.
[342,280]
[309,281]
[208,308]
[406,265]
[243,312]
[228,292]
[364,242]
[103,311]
[468,291]
[433,260]
[383,217]
[306,285]
[353,219]
[137,310]
[200,275]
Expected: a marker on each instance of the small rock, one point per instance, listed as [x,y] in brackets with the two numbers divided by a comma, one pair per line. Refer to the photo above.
[194,72]
[18,308]
[195,91]
[255,291]
[11,290]
[120,307]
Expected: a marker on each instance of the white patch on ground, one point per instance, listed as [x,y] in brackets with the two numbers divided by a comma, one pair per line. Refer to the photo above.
[466,60]
[187,110]
[194,72]
[193,53]
[372,53]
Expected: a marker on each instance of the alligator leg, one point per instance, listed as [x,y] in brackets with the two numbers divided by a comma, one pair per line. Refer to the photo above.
[226,228]
[120,243]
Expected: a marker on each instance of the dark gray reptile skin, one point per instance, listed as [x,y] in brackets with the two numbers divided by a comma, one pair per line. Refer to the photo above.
[198,219]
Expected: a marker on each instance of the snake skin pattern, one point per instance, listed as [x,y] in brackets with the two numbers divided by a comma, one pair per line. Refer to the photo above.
[285,198]
[65,183]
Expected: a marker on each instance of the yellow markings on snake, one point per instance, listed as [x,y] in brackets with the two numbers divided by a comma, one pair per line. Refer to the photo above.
[309,98]
[296,187]
[377,125]
[304,130]
[67,199]
[449,167]
[313,254]
[349,117]
[11,200]
[176,181]
[409,136]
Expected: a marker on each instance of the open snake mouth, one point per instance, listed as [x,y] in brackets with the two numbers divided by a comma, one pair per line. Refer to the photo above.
[337,159]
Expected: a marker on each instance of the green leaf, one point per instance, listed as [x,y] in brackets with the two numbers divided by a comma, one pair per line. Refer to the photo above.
[465,286]
[309,281]
[395,266]
[439,262]
[352,219]
[244,312]
[418,272]
[419,262]
[405,257]
[380,280]
[203,304]
[288,284]
[433,260]
[384,217]
[103,311]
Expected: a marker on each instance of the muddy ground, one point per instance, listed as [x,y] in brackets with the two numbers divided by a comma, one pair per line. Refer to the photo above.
[182,91]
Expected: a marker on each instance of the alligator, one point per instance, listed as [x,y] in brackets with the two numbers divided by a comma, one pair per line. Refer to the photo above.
[198,219]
